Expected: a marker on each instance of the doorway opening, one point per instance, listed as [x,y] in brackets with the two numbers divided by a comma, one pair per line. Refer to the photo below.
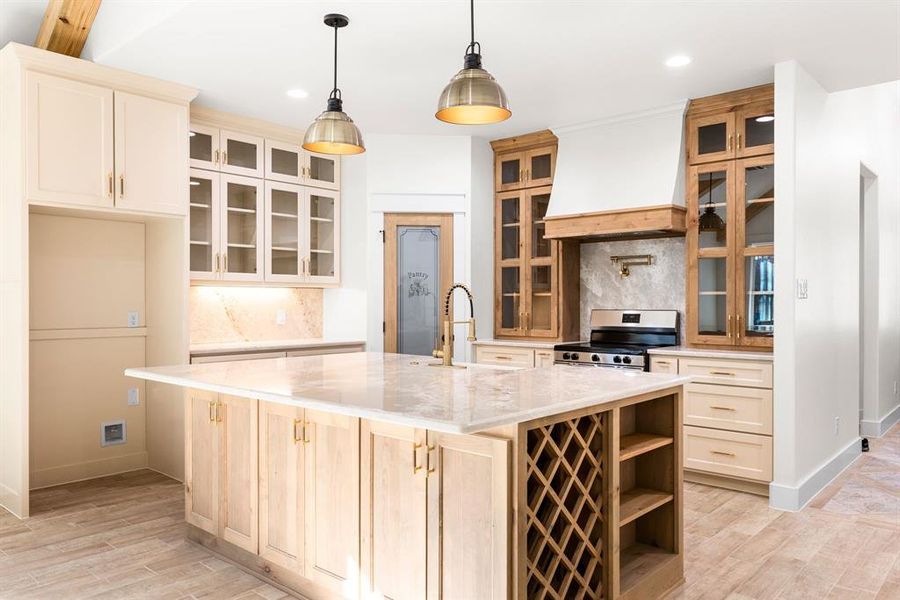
[868,302]
[418,269]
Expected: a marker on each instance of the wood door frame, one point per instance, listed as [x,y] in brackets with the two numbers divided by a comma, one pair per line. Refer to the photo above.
[444,221]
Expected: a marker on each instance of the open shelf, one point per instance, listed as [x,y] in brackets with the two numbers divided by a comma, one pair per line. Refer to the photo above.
[284,249]
[638,561]
[284,215]
[246,211]
[199,243]
[230,245]
[199,205]
[635,444]
[321,219]
[637,502]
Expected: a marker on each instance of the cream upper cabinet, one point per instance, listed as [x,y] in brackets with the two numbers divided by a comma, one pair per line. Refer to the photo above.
[204,147]
[146,130]
[205,225]
[321,170]
[69,141]
[241,204]
[283,162]
[322,242]
[241,153]
[284,226]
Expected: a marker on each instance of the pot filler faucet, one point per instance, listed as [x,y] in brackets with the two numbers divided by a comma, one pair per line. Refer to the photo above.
[446,351]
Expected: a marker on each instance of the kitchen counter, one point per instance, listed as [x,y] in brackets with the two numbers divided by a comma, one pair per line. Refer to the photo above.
[405,390]
[710,353]
[266,345]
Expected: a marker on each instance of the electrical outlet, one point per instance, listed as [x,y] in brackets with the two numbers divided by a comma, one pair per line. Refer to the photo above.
[133,397]
[280,317]
[134,318]
[802,289]
[837,425]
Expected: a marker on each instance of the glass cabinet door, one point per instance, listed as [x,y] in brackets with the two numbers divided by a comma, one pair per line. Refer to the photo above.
[711,138]
[755,281]
[204,146]
[542,294]
[242,154]
[509,171]
[510,213]
[756,314]
[242,228]
[283,218]
[510,299]
[714,318]
[540,165]
[756,129]
[204,224]
[321,261]
[322,170]
[283,161]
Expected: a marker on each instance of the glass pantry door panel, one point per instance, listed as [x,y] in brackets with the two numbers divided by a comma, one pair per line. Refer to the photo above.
[713,297]
[712,202]
[759,287]
[284,231]
[511,287]
[202,222]
[759,205]
[321,235]
[540,246]
[241,227]
[510,226]
[540,164]
[510,170]
[204,147]
[418,300]
[323,171]
[541,312]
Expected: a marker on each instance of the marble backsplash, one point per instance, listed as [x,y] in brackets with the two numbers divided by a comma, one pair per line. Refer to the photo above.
[658,286]
[235,314]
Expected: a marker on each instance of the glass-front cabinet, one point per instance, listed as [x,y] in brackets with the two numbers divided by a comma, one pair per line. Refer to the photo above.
[525,169]
[508,262]
[204,224]
[242,228]
[322,236]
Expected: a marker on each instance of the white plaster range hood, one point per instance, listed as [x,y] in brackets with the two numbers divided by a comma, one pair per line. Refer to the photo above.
[620,178]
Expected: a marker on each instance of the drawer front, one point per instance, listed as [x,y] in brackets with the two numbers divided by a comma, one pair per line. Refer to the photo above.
[728,453]
[660,364]
[543,358]
[214,358]
[727,407]
[505,355]
[730,372]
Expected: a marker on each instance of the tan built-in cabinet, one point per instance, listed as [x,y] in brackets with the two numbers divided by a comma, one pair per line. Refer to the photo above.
[262,209]
[93,146]
[731,220]
[513,356]
[727,419]
[536,279]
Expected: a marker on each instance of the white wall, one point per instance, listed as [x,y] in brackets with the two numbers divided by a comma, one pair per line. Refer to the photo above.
[626,162]
[822,139]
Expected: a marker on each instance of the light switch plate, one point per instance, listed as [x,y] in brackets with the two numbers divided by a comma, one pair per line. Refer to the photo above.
[134,318]
[802,289]
[280,317]
[134,397]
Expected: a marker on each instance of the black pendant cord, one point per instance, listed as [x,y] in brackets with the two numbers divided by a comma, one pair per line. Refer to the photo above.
[335,92]
[472,59]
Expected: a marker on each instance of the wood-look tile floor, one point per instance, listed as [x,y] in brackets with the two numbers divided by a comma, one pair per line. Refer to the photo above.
[123,537]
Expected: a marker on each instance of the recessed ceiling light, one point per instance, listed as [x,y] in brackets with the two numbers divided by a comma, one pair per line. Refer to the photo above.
[298,93]
[765,119]
[679,60]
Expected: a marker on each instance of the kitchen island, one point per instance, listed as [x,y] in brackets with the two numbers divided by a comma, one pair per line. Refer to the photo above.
[370,475]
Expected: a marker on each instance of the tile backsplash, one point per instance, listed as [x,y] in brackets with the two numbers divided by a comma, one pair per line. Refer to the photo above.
[658,286]
[235,314]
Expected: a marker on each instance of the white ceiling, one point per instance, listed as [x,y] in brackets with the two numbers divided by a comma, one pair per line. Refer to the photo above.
[561,62]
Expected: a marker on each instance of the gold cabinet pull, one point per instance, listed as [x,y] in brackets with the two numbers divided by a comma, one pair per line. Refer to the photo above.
[218,415]
[739,141]
[721,453]
[218,268]
[730,139]
[728,327]
[110,178]
[224,157]
[306,432]
[416,466]
[740,320]
[216,159]
[663,363]
[225,262]
[297,438]
[527,174]
[121,186]
[212,412]
[502,357]
[726,373]
[429,469]
[714,407]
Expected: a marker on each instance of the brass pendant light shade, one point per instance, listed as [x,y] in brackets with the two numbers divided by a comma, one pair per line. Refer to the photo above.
[473,96]
[333,131]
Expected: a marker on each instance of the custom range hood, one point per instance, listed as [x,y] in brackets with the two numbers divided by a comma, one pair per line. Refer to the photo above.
[620,178]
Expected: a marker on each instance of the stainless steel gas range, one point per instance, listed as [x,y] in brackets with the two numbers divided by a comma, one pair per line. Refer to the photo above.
[620,339]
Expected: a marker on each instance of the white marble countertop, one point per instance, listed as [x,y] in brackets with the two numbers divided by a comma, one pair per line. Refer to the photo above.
[404,389]
[520,343]
[262,345]
[710,353]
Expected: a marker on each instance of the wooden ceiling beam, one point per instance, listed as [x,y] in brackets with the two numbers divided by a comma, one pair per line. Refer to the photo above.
[66,26]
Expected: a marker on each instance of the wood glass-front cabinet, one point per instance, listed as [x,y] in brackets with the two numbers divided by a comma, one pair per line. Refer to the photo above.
[729,126]
[730,245]
[536,279]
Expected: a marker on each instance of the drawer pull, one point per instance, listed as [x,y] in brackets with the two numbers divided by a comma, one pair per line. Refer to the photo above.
[502,357]
[714,407]
[663,363]
[721,453]
[726,373]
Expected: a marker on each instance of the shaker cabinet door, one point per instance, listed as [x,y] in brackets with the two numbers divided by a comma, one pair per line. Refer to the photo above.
[69,142]
[238,474]
[201,460]
[151,155]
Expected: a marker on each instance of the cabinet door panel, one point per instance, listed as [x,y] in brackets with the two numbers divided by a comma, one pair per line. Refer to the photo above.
[468,517]
[204,225]
[281,464]
[540,165]
[284,218]
[322,237]
[242,206]
[239,471]
[201,459]
[69,141]
[393,511]
[710,138]
[151,155]
[242,154]
[283,162]
[203,142]
[509,171]
[755,124]
[332,501]
[322,170]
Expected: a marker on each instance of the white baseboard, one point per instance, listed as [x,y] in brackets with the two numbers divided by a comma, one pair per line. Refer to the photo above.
[88,470]
[794,498]
[879,428]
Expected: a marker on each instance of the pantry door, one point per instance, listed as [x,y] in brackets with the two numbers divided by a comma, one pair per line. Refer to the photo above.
[418,271]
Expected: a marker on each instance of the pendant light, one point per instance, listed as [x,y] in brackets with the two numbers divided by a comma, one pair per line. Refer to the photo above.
[333,132]
[710,220]
[473,96]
